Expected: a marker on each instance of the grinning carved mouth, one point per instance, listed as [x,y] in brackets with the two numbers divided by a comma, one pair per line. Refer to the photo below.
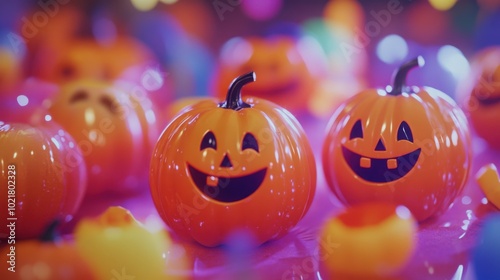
[227,189]
[489,101]
[380,170]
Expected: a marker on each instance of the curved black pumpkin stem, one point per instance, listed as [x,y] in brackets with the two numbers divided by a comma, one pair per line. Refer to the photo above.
[233,97]
[400,77]
[50,234]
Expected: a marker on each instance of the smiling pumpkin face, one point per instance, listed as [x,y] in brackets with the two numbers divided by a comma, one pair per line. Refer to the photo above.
[385,164]
[111,128]
[223,167]
[484,98]
[409,147]
[227,182]
[287,73]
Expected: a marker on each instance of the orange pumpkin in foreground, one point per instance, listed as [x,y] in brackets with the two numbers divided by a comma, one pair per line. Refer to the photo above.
[406,145]
[231,166]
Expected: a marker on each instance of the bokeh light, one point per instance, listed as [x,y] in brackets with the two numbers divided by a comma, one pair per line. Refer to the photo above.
[442,5]
[235,51]
[346,14]
[453,60]
[22,100]
[391,49]
[144,5]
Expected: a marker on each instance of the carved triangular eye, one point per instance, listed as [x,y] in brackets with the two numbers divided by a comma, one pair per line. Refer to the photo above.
[357,130]
[208,141]
[404,132]
[249,142]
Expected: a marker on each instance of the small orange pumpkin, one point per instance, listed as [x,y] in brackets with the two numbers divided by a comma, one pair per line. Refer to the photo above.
[483,102]
[381,237]
[288,71]
[406,145]
[43,176]
[90,59]
[115,243]
[115,129]
[236,165]
[46,258]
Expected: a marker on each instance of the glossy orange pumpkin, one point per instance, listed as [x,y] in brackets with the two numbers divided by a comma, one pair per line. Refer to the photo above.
[288,71]
[90,59]
[236,165]
[483,95]
[43,177]
[406,145]
[114,129]
[45,258]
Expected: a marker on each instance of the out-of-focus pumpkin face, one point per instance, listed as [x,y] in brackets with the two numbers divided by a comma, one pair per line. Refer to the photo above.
[411,148]
[90,59]
[483,102]
[114,130]
[287,76]
[219,168]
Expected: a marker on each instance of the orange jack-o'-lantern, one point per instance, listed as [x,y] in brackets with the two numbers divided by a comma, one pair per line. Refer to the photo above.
[90,59]
[288,69]
[236,165]
[114,129]
[482,95]
[407,145]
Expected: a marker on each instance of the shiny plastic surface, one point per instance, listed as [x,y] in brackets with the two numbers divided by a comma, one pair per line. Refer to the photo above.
[216,170]
[442,252]
[42,171]
[114,129]
[411,149]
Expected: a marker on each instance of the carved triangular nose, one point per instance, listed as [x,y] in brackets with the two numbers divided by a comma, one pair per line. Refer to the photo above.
[226,162]
[380,146]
